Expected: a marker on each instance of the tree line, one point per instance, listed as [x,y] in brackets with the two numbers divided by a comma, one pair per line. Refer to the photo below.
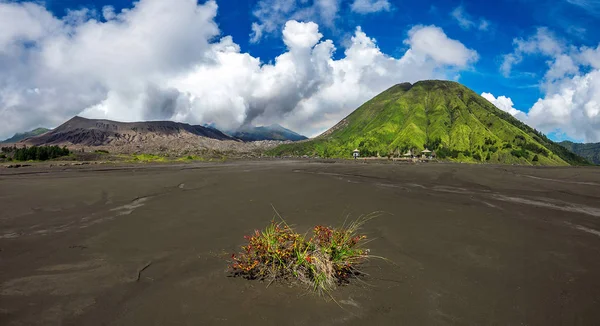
[35,153]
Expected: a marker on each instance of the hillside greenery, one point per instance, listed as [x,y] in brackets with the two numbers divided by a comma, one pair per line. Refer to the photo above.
[590,151]
[20,136]
[443,116]
[34,153]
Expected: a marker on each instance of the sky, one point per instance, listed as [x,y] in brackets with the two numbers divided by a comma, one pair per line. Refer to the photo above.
[304,64]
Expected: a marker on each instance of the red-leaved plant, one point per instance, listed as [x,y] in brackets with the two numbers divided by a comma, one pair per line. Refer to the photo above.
[329,257]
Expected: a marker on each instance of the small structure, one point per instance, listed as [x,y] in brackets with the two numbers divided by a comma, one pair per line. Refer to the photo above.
[426,153]
[356,153]
[408,154]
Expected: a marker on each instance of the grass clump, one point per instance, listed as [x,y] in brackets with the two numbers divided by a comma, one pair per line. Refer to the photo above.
[148,158]
[191,158]
[329,257]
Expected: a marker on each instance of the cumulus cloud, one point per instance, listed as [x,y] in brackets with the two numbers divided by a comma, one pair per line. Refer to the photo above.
[165,61]
[505,104]
[572,107]
[271,15]
[590,56]
[466,22]
[571,86]
[370,6]
[433,42]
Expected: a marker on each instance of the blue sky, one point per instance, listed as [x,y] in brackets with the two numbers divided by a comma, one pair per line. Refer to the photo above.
[535,59]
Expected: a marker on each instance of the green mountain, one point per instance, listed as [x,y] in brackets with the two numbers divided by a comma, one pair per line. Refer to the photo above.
[20,136]
[443,116]
[590,151]
[272,132]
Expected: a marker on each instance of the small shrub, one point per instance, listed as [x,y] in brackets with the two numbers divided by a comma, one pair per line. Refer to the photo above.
[520,153]
[447,153]
[329,257]
[101,151]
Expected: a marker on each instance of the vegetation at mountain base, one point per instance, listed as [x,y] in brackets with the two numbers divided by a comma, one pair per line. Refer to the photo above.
[442,116]
[20,136]
[34,153]
[148,158]
[590,151]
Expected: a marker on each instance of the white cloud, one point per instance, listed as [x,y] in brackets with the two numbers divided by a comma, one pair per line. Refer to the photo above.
[571,86]
[160,60]
[590,6]
[543,42]
[561,66]
[370,6]
[466,22]
[572,107]
[505,104]
[301,35]
[328,9]
[108,12]
[590,56]
[432,41]
[271,15]
[484,25]
[24,22]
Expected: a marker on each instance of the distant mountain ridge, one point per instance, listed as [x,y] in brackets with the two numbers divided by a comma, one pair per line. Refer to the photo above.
[443,116]
[24,135]
[272,132]
[98,132]
[590,151]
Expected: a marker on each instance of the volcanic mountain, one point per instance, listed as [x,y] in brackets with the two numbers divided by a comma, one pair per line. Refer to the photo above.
[92,132]
[272,132]
[443,116]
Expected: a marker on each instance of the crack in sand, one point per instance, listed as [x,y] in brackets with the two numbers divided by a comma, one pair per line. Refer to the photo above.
[489,204]
[583,228]
[65,279]
[567,207]
[129,208]
[82,222]
[9,235]
[562,181]
[557,205]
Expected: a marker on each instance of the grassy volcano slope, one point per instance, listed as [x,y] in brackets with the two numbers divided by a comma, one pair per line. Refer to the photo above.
[441,115]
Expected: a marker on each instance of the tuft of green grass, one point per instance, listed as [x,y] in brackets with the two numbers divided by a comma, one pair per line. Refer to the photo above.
[190,158]
[148,158]
[329,257]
